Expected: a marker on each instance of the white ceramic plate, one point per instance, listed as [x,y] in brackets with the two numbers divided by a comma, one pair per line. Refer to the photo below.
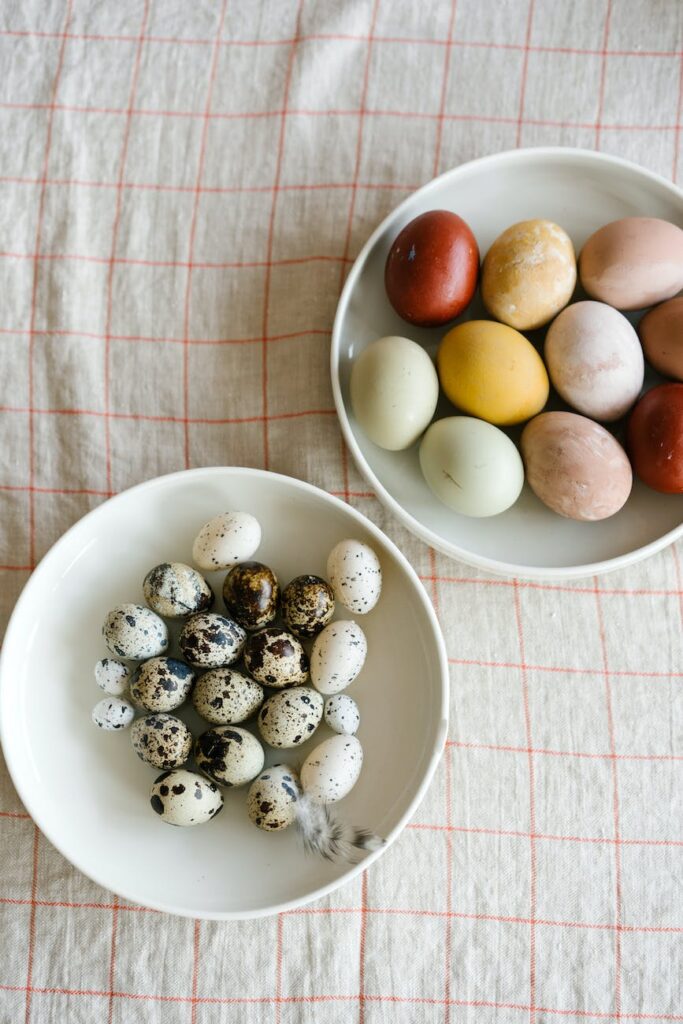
[87,790]
[581,190]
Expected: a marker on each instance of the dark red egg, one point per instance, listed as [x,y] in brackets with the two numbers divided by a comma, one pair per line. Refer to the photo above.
[655,438]
[432,269]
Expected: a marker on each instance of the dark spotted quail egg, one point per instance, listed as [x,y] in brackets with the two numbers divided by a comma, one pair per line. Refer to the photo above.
[113,713]
[184,798]
[276,658]
[176,590]
[132,631]
[307,605]
[272,798]
[251,593]
[342,714]
[208,640]
[163,741]
[290,717]
[354,571]
[229,755]
[161,684]
[226,697]
[112,676]
[227,538]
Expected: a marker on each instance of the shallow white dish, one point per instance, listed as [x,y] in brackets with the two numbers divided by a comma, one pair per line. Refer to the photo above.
[88,791]
[581,190]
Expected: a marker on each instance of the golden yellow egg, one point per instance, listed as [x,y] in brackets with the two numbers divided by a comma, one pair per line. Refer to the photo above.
[529,274]
[491,371]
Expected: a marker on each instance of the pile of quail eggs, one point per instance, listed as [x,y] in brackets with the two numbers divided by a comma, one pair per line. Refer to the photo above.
[247,664]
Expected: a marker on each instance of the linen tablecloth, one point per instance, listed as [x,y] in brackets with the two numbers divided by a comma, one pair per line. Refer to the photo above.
[184,186]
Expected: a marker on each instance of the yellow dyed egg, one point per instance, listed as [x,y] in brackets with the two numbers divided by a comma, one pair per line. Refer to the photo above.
[491,371]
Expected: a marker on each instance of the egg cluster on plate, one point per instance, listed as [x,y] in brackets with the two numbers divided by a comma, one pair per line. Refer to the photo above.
[247,664]
[497,378]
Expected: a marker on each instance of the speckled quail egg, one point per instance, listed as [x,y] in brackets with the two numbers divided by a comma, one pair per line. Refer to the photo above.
[135,632]
[113,713]
[161,684]
[226,697]
[184,798]
[176,590]
[338,655]
[163,741]
[342,714]
[307,605]
[354,571]
[112,676]
[272,798]
[276,658]
[290,717]
[229,755]
[208,640]
[227,538]
[332,769]
[251,593]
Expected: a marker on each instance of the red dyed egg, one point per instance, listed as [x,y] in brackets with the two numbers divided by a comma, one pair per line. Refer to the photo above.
[432,269]
[655,438]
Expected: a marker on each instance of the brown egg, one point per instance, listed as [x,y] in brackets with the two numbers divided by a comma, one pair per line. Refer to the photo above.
[655,438]
[307,605]
[529,274]
[575,466]
[251,593]
[661,332]
[432,268]
[633,263]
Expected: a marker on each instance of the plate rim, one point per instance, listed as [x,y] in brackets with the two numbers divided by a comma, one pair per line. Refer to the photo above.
[441,715]
[491,565]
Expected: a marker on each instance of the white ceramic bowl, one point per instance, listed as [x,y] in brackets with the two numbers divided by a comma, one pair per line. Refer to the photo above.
[88,791]
[581,190]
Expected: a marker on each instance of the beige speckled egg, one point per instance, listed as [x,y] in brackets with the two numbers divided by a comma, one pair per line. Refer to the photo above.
[529,274]
[228,755]
[162,741]
[661,332]
[227,538]
[575,466]
[226,697]
[595,360]
[633,263]
[184,798]
[176,590]
[272,798]
[161,684]
[289,718]
[332,769]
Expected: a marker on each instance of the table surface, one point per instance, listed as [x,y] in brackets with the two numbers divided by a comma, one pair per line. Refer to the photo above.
[183,190]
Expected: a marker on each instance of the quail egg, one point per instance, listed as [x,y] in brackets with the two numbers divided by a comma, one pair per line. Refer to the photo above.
[272,798]
[337,656]
[290,717]
[307,605]
[251,593]
[132,631]
[227,538]
[184,798]
[112,676]
[342,714]
[163,741]
[332,769]
[229,755]
[354,571]
[161,684]
[225,697]
[113,713]
[176,590]
[276,658]
[208,640]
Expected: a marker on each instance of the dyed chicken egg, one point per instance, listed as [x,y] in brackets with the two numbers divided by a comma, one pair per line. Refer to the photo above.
[355,574]
[176,590]
[226,697]
[276,658]
[337,656]
[184,798]
[112,714]
[341,714]
[655,438]
[228,755]
[332,769]
[112,676]
[251,593]
[290,717]
[135,632]
[307,605]
[661,332]
[162,741]
[208,640]
[227,538]
[161,684]
[272,798]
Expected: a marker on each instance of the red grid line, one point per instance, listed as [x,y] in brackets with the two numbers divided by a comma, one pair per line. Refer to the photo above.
[148,417]
[278,968]
[525,68]
[370,186]
[134,338]
[32,924]
[112,955]
[674,555]
[603,73]
[679,118]
[362,995]
[444,88]
[188,264]
[461,745]
[626,673]
[545,836]
[195,969]
[577,588]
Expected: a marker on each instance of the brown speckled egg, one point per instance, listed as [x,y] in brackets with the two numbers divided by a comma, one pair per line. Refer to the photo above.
[272,798]
[210,641]
[161,684]
[226,697]
[228,755]
[276,658]
[307,605]
[163,741]
[289,718]
[251,593]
